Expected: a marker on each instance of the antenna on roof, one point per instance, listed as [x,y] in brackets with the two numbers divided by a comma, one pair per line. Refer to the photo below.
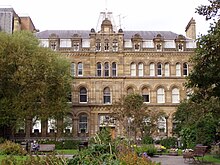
[106,8]
[120,18]
[106,15]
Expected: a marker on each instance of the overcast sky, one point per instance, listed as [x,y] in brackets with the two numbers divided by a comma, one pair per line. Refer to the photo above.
[165,15]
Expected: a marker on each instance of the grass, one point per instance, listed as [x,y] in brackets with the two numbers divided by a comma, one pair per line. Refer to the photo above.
[210,158]
[16,157]
[67,152]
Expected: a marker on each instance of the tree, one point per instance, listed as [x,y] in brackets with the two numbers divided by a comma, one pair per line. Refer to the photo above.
[201,113]
[134,115]
[34,81]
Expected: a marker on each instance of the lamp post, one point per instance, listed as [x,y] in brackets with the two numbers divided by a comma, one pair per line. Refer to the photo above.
[129,131]
[166,117]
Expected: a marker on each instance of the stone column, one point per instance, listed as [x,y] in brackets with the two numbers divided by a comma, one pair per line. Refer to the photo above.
[75,126]
[28,128]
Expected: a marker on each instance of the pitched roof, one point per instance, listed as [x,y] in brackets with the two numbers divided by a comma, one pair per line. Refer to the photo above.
[146,35]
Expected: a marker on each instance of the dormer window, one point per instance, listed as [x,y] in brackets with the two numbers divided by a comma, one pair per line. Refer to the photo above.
[106,45]
[180,47]
[53,45]
[137,46]
[98,45]
[54,41]
[159,47]
[115,45]
[180,43]
[75,46]
[136,41]
[158,42]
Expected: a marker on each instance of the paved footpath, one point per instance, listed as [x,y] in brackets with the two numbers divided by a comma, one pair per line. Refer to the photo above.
[173,160]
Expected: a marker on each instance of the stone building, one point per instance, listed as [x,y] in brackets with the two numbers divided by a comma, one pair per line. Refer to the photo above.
[10,21]
[108,63]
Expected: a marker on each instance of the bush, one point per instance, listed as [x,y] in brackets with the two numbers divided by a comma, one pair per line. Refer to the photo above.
[150,149]
[147,140]
[70,144]
[170,142]
[37,160]
[11,148]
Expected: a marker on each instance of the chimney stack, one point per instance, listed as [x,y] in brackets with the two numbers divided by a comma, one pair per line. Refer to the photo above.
[191,29]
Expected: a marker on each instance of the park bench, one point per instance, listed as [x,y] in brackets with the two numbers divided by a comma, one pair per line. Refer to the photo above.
[46,148]
[196,155]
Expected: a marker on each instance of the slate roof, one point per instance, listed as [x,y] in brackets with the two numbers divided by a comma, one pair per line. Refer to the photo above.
[146,35]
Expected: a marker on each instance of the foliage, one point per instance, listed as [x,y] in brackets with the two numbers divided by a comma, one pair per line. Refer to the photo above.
[170,142]
[198,117]
[36,160]
[206,130]
[147,140]
[128,157]
[11,148]
[188,137]
[34,81]
[150,149]
[209,11]
[135,116]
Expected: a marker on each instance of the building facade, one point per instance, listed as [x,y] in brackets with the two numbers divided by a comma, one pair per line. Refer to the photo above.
[10,21]
[108,64]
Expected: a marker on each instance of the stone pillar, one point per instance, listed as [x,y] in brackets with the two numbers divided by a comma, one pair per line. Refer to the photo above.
[75,127]
[43,128]
[59,128]
[28,128]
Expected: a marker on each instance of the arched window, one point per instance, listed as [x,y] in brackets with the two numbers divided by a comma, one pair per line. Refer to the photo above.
[146,95]
[130,90]
[80,69]
[114,69]
[133,69]
[72,69]
[99,69]
[175,95]
[159,69]
[106,95]
[167,70]
[68,124]
[69,97]
[178,69]
[106,71]
[160,95]
[141,69]
[152,69]
[51,125]
[36,125]
[83,123]
[162,125]
[185,69]
[115,45]
[83,95]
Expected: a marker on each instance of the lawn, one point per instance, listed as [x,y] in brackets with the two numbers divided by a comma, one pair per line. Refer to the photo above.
[210,158]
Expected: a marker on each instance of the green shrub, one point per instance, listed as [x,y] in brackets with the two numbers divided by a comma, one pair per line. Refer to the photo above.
[169,142]
[147,140]
[11,148]
[150,149]
[2,140]
[70,144]
[36,160]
